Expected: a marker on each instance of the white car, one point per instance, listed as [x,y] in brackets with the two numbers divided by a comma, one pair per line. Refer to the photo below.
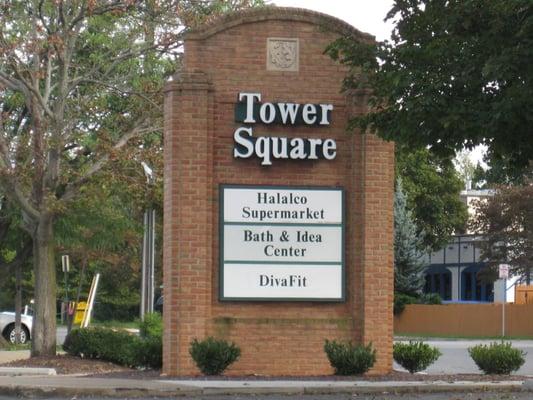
[7,325]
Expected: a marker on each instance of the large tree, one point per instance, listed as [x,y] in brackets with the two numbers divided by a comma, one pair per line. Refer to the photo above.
[506,223]
[454,74]
[432,187]
[80,88]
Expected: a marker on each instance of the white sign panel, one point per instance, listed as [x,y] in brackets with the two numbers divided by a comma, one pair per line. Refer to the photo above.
[282,205]
[283,281]
[282,243]
[503,270]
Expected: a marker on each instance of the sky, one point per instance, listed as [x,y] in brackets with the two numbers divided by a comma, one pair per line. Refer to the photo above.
[365,15]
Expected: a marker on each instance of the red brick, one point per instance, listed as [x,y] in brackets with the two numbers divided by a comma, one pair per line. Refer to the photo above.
[221,60]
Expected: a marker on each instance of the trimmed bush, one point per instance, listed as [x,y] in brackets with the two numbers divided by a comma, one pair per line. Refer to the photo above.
[149,352]
[118,347]
[151,326]
[402,299]
[415,356]
[497,358]
[116,309]
[430,298]
[350,359]
[212,356]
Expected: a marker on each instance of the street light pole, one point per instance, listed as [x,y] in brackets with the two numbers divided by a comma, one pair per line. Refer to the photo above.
[65,266]
[148,256]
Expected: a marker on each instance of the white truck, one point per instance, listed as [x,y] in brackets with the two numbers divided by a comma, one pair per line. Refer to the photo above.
[7,325]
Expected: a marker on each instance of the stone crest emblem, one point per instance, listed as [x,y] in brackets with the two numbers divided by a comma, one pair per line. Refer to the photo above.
[282,54]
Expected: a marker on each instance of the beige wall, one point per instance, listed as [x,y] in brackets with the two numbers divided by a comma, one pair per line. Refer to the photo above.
[465,320]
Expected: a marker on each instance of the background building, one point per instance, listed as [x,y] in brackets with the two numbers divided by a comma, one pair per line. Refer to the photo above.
[454,272]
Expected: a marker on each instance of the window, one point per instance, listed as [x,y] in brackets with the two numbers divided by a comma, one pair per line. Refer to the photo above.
[472,287]
[468,285]
[439,281]
[447,286]
[427,287]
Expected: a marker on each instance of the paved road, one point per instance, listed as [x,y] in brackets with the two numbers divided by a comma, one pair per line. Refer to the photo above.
[456,360]
[407,396]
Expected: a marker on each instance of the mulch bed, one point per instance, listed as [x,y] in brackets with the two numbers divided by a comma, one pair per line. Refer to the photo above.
[66,365]
[393,376]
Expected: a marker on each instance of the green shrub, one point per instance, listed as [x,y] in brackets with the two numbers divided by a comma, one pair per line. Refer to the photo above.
[118,347]
[497,358]
[401,300]
[213,356]
[350,359]
[150,352]
[114,309]
[151,326]
[430,298]
[415,356]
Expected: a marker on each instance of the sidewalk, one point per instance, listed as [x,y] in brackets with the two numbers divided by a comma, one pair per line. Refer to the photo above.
[8,356]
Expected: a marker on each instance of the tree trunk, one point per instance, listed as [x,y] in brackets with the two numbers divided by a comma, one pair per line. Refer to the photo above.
[44,320]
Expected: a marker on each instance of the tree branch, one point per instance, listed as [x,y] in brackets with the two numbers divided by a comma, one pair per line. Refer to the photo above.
[117,5]
[32,89]
[48,82]
[127,92]
[7,81]
[21,257]
[72,188]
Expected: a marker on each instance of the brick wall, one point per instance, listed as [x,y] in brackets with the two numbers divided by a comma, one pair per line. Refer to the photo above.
[276,338]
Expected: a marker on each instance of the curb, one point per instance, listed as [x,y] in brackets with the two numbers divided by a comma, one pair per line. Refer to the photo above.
[366,389]
[196,391]
[24,392]
[23,371]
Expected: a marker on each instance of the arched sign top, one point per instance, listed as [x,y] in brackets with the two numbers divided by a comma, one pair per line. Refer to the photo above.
[268,13]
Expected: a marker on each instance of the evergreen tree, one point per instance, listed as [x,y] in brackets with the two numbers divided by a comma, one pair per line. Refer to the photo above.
[408,265]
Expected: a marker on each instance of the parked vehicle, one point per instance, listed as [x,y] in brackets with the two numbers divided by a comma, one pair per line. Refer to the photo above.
[158,306]
[7,325]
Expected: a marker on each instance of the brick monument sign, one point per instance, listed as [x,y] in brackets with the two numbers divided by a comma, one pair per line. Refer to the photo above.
[278,229]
